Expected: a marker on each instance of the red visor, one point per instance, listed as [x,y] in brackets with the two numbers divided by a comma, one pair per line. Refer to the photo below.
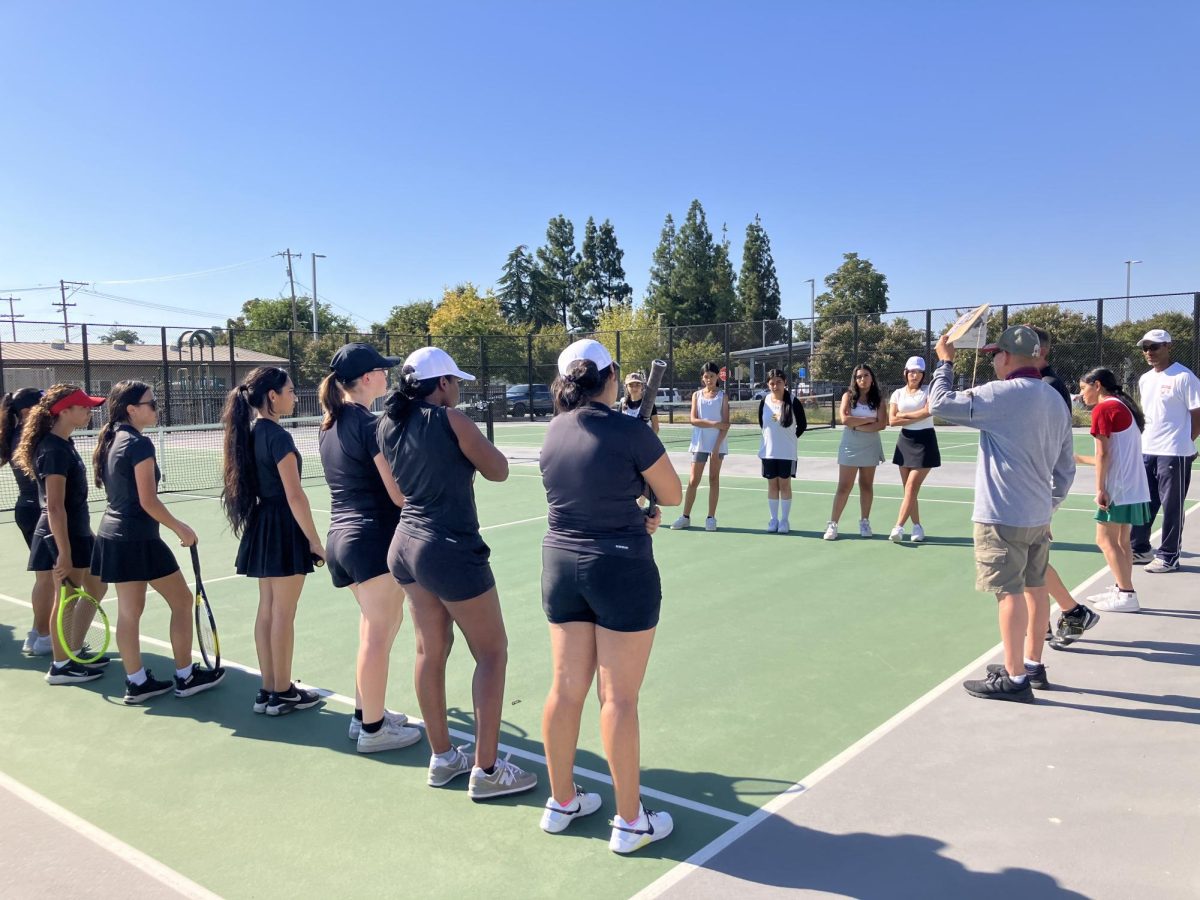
[75,398]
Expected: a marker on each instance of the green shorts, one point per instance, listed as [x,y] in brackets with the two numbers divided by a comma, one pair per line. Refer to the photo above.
[1126,514]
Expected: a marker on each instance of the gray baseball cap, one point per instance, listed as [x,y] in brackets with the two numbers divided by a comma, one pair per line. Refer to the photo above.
[1020,340]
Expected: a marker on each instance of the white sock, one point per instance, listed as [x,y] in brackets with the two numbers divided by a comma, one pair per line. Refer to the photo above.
[138,677]
[1017,679]
[561,807]
[185,671]
[639,822]
[785,508]
[447,757]
[774,506]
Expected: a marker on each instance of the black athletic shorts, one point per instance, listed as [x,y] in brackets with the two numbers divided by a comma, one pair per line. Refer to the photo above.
[779,468]
[358,552]
[451,569]
[26,516]
[44,552]
[615,592]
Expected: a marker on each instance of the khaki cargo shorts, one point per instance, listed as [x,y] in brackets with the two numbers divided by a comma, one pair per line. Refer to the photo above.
[1010,558]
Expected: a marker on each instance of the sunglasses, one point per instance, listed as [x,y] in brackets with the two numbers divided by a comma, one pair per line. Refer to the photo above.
[153,404]
[1150,348]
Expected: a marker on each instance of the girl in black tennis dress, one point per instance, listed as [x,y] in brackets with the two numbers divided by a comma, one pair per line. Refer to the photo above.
[14,410]
[364,509]
[129,552]
[267,507]
[47,454]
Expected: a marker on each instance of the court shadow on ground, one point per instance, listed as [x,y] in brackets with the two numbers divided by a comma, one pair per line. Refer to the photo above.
[1172,613]
[781,854]
[1171,652]
[9,643]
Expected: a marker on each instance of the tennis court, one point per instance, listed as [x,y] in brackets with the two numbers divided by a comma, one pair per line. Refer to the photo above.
[774,654]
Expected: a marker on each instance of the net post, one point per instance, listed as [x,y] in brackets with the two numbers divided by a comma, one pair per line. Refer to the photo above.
[529,371]
[87,362]
[491,422]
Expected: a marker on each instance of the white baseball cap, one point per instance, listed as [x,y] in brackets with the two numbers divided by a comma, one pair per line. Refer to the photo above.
[914,364]
[584,348]
[1155,336]
[434,362]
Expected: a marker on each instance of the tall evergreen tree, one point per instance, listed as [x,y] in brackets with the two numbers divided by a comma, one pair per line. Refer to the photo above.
[758,286]
[516,286]
[588,298]
[855,288]
[557,260]
[692,278]
[724,292]
[613,287]
[659,299]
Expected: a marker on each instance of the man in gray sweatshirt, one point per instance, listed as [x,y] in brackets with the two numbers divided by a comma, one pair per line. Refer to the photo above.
[1026,465]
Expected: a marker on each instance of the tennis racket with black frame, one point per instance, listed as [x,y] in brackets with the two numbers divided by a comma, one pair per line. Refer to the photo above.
[657,369]
[78,611]
[206,623]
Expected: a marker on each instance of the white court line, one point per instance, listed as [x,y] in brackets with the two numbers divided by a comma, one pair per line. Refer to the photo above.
[518,752]
[105,841]
[711,849]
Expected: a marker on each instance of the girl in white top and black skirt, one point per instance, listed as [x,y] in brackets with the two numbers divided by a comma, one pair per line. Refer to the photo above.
[129,552]
[14,410]
[710,444]
[864,415]
[437,554]
[364,510]
[266,505]
[635,396]
[62,539]
[782,420]
[600,586]
[917,446]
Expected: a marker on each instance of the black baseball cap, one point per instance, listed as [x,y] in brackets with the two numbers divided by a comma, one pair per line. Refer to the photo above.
[355,360]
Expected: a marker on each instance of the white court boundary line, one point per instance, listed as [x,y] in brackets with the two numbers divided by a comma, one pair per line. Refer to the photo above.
[161,873]
[591,774]
[697,860]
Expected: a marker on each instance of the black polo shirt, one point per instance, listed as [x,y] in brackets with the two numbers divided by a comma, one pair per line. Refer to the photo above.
[592,463]
[272,444]
[348,451]
[124,519]
[56,456]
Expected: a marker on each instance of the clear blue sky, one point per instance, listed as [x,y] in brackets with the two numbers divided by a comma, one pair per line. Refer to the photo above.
[973,151]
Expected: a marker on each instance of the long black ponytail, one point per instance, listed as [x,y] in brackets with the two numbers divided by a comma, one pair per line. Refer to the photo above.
[240,492]
[120,398]
[11,408]
[1109,384]
[785,415]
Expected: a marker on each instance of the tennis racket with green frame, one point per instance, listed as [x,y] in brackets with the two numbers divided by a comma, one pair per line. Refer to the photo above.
[206,623]
[77,612]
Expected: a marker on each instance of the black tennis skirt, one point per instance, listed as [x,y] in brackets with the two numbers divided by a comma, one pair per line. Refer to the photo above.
[917,449]
[116,561]
[273,546]
[43,552]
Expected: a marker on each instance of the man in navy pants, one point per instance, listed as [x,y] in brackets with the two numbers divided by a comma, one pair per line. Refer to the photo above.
[1170,396]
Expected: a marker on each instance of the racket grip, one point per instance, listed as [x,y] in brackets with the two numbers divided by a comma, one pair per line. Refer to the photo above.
[317,561]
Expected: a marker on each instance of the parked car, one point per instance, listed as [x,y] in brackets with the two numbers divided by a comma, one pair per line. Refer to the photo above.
[519,397]
[667,395]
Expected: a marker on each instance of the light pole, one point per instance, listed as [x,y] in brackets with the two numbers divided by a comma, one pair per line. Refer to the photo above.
[314,257]
[1129,264]
[812,323]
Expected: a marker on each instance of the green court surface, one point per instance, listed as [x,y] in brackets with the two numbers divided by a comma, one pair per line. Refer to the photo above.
[774,654]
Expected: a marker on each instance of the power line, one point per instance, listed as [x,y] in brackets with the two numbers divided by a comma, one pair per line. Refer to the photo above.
[12,314]
[64,305]
[197,274]
[147,304]
[291,280]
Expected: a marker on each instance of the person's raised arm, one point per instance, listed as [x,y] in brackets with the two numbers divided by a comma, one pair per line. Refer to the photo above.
[289,474]
[851,421]
[482,453]
[147,491]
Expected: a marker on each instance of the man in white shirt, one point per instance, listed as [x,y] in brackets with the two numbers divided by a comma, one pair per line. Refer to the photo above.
[1170,397]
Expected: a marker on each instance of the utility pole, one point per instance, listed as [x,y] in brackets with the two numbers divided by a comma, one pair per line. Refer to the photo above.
[292,281]
[314,257]
[12,316]
[63,304]
[1129,264]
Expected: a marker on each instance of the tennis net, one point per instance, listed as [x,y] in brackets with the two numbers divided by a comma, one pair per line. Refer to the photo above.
[744,432]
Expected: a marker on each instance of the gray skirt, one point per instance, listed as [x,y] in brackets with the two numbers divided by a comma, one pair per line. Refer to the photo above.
[860,448]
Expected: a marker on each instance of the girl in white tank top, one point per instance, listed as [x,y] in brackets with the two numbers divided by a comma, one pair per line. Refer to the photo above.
[710,427]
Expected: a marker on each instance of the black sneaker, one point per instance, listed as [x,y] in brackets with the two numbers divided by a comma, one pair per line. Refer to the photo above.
[292,699]
[200,679]
[72,672]
[998,686]
[85,651]
[139,693]
[261,699]
[1036,678]
[1072,625]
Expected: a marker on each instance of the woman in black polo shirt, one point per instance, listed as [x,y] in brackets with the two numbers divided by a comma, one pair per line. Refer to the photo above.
[364,509]
[47,454]
[600,585]
[267,507]
[438,555]
[130,554]
[14,410]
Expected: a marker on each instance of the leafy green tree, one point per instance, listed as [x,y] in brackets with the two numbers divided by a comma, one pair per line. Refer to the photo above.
[557,259]
[613,288]
[524,295]
[885,348]
[407,319]
[276,315]
[464,311]
[689,356]
[128,335]
[693,276]
[659,299]
[759,297]
[724,290]
[642,341]
[856,288]
[588,297]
